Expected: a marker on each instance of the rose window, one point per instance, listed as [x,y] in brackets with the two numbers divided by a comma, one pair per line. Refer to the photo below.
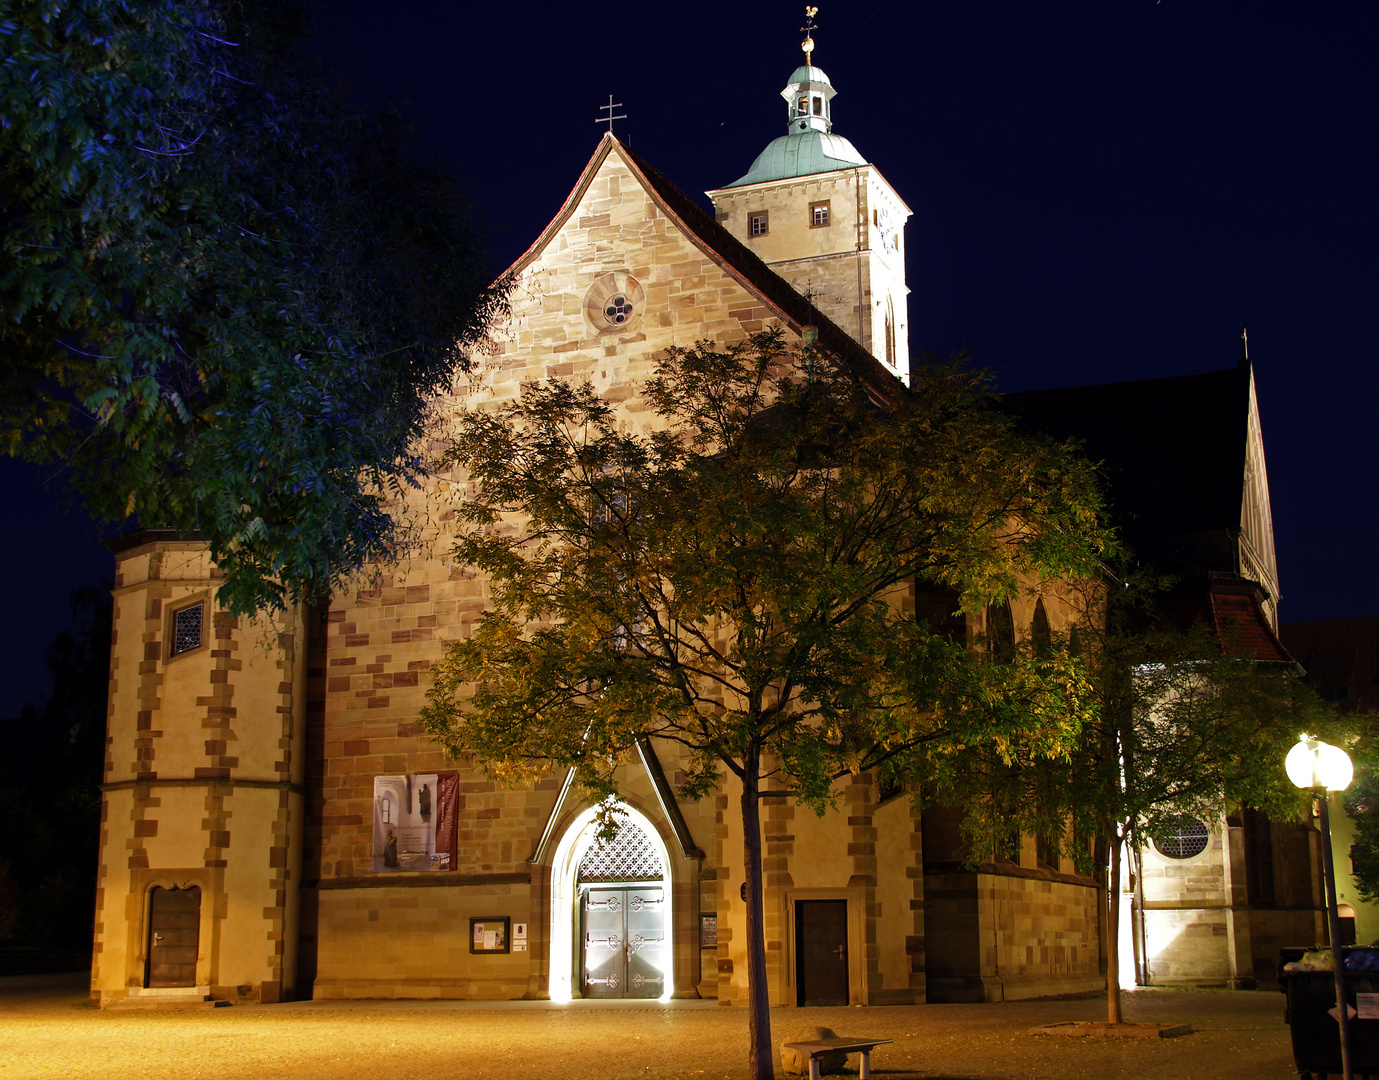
[615,303]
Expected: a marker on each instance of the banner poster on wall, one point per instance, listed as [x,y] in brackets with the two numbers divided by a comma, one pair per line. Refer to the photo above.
[414,821]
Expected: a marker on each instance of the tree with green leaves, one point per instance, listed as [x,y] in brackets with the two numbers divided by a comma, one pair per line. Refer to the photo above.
[1362,804]
[1183,724]
[225,298]
[736,583]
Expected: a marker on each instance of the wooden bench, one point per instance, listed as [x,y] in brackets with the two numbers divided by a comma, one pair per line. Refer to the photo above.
[845,1046]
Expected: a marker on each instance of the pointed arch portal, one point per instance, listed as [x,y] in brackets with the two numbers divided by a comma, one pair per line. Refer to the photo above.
[611,917]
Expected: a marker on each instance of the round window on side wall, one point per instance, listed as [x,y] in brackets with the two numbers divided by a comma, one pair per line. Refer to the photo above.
[1182,838]
[615,303]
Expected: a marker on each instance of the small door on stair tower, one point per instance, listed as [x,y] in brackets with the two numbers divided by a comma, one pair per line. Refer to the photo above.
[174,928]
[623,941]
[821,952]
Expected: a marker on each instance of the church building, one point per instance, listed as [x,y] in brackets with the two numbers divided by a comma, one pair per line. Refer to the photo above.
[275,827]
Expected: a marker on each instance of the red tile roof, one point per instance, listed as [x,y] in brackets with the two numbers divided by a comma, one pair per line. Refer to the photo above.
[1243,630]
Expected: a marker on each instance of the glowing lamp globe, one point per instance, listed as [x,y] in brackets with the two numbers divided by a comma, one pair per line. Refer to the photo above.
[1313,764]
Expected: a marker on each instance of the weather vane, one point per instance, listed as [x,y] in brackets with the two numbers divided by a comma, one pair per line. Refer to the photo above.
[610,117]
[808,31]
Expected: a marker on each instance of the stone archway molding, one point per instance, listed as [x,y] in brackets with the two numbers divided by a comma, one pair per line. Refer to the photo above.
[564,905]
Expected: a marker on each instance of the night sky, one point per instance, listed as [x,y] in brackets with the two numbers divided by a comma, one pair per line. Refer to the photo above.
[1101,191]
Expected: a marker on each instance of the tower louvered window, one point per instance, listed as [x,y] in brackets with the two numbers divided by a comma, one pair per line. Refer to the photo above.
[186,629]
[629,856]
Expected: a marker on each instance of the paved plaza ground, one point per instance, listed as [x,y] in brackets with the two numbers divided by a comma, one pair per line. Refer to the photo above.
[48,1030]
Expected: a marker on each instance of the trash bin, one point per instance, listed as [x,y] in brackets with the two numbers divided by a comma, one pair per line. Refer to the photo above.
[1315,1032]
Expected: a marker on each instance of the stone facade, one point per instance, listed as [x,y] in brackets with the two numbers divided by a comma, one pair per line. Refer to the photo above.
[246,767]
[1218,918]
[243,765]
[204,779]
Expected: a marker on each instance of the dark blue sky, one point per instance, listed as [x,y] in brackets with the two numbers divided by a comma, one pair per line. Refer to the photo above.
[1101,191]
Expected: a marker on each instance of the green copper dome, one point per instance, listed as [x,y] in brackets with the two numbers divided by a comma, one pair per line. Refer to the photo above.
[809,145]
[801,154]
[807,73]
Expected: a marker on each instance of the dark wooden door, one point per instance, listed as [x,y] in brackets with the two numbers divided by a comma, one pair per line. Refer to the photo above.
[821,952]
[174,926]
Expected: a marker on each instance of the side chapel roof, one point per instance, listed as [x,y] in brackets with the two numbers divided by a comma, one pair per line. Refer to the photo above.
[732,256]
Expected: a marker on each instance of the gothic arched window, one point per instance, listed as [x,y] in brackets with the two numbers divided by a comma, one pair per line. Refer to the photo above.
[1040,636]
[1000,632]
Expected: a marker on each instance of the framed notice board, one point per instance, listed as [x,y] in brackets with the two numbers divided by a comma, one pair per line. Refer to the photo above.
[489,934]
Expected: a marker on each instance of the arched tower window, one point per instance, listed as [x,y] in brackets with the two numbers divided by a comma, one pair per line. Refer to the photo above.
[890,332]
[1041,637]
[1000,632]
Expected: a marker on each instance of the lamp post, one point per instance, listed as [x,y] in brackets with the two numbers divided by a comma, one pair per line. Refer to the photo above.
[1322,768]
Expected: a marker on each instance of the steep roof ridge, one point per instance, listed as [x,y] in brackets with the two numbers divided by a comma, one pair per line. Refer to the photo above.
[1221,374]
[734,256]
[731,255]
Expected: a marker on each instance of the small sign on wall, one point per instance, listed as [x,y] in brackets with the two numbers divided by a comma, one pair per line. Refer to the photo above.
[519,937]
[708,931]
[489,934]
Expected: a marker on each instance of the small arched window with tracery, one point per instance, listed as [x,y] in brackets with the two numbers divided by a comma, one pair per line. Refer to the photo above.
[1000,632]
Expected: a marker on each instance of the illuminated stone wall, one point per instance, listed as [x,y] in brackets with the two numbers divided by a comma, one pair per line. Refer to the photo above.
[1203,926]
[203,782]
[276,734]
[380,643]
[854,268]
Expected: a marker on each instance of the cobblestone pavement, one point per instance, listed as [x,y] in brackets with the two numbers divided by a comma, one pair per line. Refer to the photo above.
[49,1030]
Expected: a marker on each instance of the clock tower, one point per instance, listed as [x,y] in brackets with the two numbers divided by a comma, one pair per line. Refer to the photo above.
[815,211]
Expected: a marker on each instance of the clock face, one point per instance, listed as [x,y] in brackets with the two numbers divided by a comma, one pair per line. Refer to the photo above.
[888,233]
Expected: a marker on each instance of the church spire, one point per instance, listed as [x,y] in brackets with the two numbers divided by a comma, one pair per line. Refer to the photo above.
[808,30]
[809,94]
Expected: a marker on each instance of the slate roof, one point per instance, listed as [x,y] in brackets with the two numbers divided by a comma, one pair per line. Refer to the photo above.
[1173,449]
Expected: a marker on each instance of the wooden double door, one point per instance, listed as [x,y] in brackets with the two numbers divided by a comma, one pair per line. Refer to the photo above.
[623,941]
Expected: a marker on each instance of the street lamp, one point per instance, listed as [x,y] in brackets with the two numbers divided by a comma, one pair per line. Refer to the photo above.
[1322,768]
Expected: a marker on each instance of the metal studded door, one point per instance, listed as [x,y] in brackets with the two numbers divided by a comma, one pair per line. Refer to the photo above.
[645,942]
[605,943]
[174,921]
[623,940]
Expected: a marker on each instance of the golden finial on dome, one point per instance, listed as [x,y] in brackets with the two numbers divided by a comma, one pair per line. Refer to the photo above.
[808,30]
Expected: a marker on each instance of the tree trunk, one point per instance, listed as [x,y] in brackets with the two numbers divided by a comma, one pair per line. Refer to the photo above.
[1137,926]
[1113,1013]
[761,1063]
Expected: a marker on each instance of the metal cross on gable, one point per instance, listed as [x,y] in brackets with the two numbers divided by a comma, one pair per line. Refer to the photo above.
[610,117]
